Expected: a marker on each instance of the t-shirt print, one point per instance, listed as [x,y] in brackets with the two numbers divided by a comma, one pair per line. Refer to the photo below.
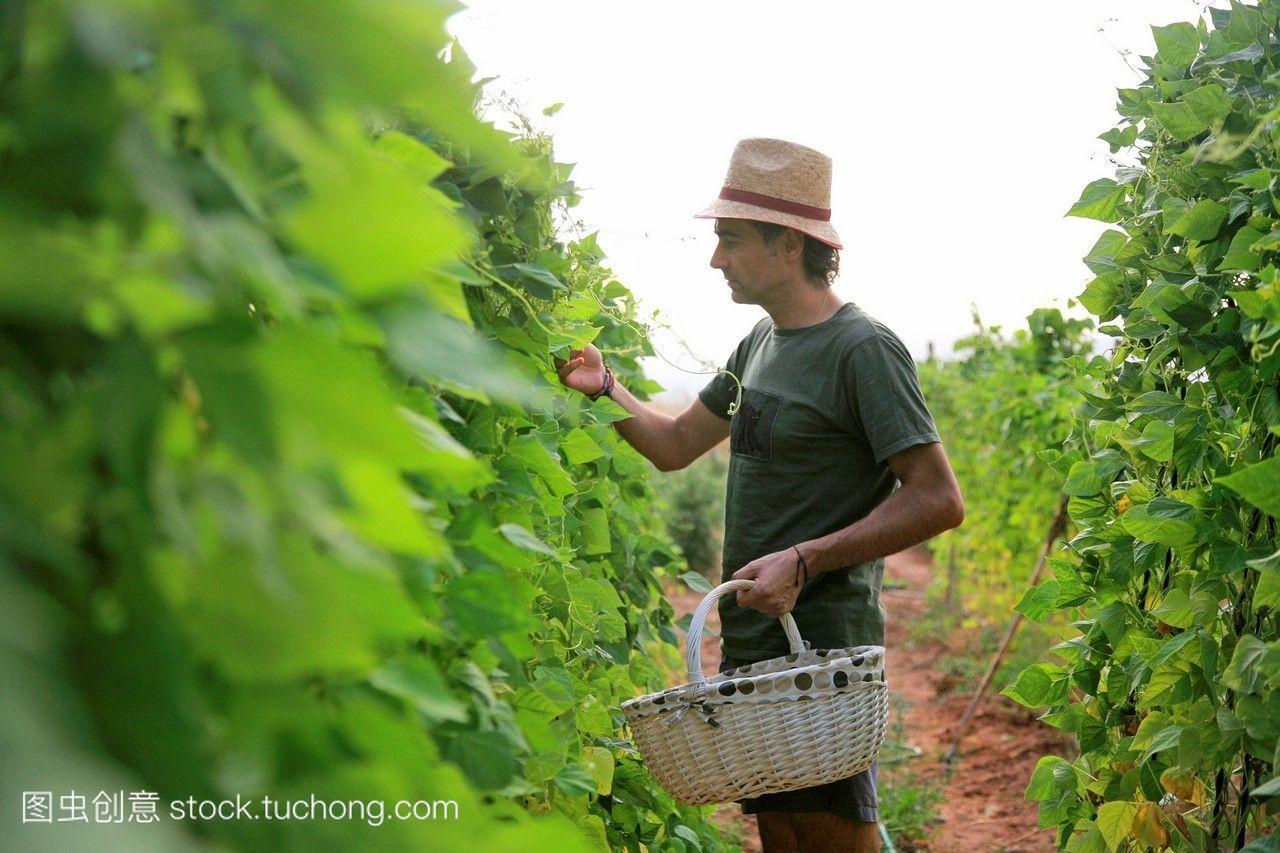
[752,433]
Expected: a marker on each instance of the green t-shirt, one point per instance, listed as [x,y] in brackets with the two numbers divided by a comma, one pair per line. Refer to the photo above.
[823,408]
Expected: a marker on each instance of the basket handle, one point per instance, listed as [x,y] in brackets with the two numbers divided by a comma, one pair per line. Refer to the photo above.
[693,654]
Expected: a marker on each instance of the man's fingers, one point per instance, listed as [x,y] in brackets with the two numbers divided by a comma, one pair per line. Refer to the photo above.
[568,367]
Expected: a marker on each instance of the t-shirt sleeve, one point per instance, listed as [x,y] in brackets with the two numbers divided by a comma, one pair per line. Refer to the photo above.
[883,392]
[722,390]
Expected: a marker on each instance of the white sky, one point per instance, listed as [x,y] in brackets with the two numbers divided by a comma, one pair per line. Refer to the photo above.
[960,135]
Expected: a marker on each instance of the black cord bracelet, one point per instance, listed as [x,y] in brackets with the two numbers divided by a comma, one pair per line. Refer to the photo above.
[801,563]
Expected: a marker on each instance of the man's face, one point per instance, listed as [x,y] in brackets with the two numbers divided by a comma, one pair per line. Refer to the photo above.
[751,268]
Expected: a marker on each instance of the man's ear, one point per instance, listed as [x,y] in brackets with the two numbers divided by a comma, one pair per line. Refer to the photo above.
[794,245]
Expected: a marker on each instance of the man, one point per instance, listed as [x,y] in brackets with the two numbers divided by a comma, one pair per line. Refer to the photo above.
[828,420]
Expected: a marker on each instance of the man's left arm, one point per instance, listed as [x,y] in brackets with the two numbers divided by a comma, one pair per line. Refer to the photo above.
[927,503]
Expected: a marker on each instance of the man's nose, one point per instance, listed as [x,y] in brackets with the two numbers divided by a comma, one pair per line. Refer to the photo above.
[717,262]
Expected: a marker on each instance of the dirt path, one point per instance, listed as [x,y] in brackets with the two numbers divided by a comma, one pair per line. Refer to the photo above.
[983,808]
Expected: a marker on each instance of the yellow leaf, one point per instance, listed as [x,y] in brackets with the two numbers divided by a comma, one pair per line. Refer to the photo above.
[1147,827]
[1185,785]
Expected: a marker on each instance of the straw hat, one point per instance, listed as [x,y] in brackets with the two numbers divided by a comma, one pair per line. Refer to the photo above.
[772,180]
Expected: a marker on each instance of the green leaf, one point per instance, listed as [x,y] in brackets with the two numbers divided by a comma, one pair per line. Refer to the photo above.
[1091,476]
[417,681]
[1240,255]
[1209,103]
[1180,120]
[593,718]
[1100,295]
[1100,200]
[1156,442]
[556,686]
[1170,648]
[1254,179]
[1269,563]
[1267,789]
[1176,44]
[1267,592]
[1052,776]
[538,459]
[1152,724]
[297,614]
[593,828]
[1266,844]
[1201,222]
[682,831]
[487,758]
[440,349]
[579,448]
[1086,838]
[368,220]
[1248,54]
[1175,609]
[1107,252]
[1248,669]
[596,538]
[537,279]
[696,582]
[1167,685]
[484,604]
[521,538]
[1115,820]
[1165,521]
[1113,620]
[1039,685]
[424,162]
[1083,479]
[598,761]
[1258,484]
[606,411]
[1260,716]
[1039,601]
[1158,404]
[574,780]
[1165,738]
[1118,138]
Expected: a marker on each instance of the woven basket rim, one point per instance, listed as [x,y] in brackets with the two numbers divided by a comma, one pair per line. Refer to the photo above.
[843,658]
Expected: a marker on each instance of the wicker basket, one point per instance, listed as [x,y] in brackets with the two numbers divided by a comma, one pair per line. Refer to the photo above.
[814,716]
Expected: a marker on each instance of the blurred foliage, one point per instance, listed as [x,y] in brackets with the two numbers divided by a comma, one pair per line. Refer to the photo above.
[692,502]
[998,403]
[1172,681]
[291,501]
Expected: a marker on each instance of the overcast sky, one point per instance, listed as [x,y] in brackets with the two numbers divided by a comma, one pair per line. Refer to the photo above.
[960,134]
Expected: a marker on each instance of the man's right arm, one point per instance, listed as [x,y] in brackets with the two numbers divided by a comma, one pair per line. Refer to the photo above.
[670,443]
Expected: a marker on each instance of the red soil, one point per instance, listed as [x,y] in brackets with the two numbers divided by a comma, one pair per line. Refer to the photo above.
[983,807]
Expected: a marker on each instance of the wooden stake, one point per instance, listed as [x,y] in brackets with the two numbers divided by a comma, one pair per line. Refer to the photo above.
[1058,525]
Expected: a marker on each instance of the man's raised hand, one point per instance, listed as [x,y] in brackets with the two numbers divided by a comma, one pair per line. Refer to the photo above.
[584,371]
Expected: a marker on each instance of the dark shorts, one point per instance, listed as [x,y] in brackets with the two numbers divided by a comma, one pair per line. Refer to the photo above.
[853,798]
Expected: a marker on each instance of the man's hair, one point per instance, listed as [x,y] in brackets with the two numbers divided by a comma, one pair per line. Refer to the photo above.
[821,262]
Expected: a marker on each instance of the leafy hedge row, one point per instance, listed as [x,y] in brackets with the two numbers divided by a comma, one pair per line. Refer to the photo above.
[1173,682]
[292,501]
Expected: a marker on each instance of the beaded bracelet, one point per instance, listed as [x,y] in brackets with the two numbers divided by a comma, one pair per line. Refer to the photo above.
[606,388]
